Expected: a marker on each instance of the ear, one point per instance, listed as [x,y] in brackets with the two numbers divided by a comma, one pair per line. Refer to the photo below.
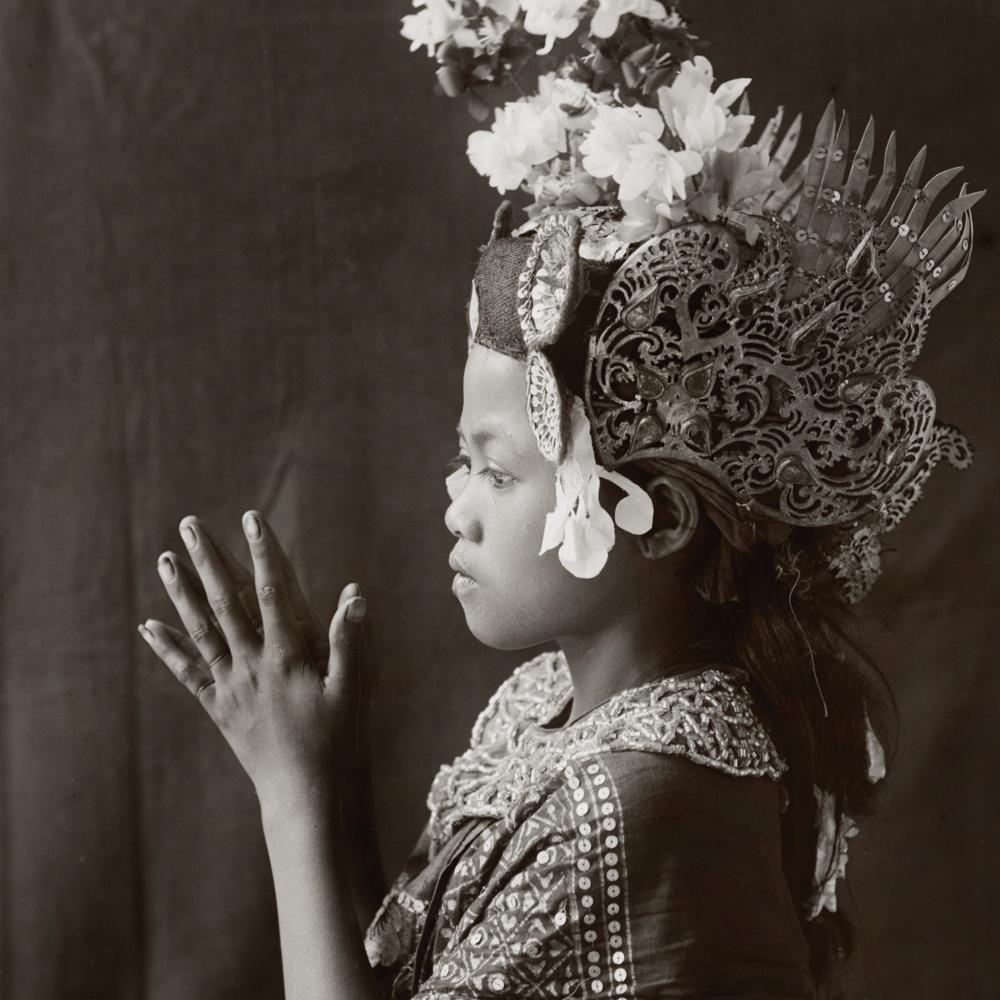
[675,517]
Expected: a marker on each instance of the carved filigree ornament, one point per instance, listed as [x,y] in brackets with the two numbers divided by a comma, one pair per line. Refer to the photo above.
[775,356]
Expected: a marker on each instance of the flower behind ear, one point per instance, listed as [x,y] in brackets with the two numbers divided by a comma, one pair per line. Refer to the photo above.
[634,512]
[579,525]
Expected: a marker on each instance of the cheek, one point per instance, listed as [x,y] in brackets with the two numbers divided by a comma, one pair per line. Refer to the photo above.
[513,535]
[526,598]
[537,603]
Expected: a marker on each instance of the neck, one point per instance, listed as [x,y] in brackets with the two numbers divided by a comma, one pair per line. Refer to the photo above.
[631,650]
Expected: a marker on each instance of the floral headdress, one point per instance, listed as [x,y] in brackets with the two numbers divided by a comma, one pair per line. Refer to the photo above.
[747,326]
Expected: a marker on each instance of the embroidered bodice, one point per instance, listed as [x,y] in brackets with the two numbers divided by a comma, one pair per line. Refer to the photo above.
[603,858]
[706,716]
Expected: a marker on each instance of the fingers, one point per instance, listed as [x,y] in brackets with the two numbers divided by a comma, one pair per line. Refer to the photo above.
[307,620]
[277,615]
[193,611]
[243,580]
[182,640]
[181,657]
[221,591]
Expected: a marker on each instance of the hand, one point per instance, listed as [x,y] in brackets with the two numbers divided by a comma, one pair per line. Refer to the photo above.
[285,695]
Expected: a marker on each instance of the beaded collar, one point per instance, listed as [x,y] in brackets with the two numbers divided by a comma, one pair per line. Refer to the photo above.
[706,716]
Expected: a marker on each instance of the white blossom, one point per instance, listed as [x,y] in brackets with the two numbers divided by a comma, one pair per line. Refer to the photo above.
[659,172]
[615,130]
[551,18]
[567,107]
[435,24]
[609,12]
[522,136]
[698,116]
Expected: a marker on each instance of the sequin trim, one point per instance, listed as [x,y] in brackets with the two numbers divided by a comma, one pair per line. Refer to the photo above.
[543,912]
[393,930]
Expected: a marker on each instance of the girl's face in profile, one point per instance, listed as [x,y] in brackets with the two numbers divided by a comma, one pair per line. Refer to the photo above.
[512,596]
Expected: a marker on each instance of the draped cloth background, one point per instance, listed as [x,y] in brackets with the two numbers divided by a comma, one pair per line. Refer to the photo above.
[235,244]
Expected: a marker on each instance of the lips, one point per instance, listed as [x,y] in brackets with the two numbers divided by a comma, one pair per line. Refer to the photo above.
[458,567]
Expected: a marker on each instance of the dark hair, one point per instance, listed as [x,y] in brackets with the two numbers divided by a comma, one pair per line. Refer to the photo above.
[797,638]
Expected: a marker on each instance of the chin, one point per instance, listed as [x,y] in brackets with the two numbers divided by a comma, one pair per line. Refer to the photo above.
[506,632]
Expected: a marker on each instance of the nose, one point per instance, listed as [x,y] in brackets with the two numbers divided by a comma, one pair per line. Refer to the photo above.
[460,520]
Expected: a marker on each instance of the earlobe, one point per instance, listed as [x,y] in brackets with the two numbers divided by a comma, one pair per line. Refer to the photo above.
[675,517]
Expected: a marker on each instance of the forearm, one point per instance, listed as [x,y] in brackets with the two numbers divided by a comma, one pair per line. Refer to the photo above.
[361,841]
[322,950]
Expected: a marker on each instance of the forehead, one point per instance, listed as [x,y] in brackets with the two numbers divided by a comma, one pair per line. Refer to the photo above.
[493,390]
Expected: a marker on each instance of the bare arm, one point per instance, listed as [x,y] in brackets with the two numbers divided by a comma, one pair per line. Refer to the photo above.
[322,950]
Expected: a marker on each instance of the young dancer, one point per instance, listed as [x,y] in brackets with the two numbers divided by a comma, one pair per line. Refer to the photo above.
[688,418]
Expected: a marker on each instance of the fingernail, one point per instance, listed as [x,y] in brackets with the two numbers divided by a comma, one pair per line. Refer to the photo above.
[190,538]
[166,568]
[145,633]
[251,525]
[357,609]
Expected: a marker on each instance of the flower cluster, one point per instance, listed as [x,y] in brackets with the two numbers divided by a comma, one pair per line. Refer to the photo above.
[636,124]
[475,43]
[570,146]
[534,143]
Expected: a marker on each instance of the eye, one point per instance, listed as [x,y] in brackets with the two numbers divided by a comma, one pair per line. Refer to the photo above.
[497,478]
[461,465]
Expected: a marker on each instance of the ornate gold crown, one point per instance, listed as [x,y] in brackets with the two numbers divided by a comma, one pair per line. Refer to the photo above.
[773,354]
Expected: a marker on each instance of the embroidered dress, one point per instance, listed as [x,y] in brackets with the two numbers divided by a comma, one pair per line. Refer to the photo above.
[633,853]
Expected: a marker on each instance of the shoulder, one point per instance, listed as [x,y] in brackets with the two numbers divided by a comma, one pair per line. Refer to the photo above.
[667,808]
[666,801]
[708,717]
[533,692]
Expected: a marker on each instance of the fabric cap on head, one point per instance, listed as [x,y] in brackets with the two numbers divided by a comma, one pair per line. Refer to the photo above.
[495,286]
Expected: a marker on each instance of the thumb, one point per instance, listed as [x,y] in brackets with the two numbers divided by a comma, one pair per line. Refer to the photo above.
[346,635]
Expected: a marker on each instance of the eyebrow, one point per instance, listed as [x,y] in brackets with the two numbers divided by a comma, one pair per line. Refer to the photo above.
[484,434]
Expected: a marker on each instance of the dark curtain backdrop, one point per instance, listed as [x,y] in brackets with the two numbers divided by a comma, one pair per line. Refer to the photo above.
[235,244]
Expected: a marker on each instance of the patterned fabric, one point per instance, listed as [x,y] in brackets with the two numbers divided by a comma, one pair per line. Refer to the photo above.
[596,859]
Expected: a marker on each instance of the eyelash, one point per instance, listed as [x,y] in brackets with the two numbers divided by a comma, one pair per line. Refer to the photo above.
[498,479]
